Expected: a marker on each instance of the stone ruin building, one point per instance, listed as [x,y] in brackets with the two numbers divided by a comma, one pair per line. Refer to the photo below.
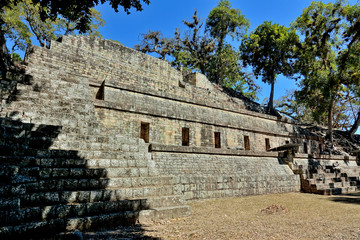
[96,134]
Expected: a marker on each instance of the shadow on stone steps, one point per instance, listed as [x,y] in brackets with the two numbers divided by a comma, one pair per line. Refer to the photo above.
[44,192]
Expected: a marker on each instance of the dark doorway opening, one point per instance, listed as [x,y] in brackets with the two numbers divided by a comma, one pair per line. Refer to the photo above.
[144,131]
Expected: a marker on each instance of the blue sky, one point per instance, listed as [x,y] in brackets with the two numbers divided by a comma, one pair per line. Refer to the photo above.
[166,16]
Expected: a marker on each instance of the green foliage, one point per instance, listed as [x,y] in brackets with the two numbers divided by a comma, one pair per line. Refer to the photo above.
[205,49]
[270,50]
[16,57]
[23,22]
[290,107]
[154,42]
[345,109]
[74,10]
[15,29]
[225,21]
[328,56]
[193,51]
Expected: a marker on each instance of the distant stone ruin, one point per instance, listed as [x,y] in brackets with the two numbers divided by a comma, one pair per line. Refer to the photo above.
[97,135]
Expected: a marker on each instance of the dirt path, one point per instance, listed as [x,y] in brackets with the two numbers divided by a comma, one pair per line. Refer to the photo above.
[278,216]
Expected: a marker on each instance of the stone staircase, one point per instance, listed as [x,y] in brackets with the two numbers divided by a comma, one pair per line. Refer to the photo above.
[61,170]
[331,180]
[51,191]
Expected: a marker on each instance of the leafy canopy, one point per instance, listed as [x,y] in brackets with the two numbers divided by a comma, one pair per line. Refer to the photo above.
[223,21]
[205,49]
[328,56]
[71,10]
[270,50]
[22,21]
[74,10]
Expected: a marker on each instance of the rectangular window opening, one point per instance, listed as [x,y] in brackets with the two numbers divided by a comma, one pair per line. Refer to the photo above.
[217,140]
[267,144]
[305,147]
[144,131]
[100,95]
[247,142]
[185,137]
[287,142]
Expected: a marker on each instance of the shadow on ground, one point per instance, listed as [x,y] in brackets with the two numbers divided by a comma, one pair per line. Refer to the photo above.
[125,232]
[352,198]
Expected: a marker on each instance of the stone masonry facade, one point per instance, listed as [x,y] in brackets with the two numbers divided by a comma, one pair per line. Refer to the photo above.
[95,133]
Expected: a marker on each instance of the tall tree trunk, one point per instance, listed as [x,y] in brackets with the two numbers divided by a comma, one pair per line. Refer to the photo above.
[271,99]
[355,126]
[4,57]
[330,124]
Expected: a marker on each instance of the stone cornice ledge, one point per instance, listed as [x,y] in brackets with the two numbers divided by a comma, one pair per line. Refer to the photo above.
[211,151]
[325,157]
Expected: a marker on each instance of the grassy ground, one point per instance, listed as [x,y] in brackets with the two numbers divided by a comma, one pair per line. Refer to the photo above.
[300,216]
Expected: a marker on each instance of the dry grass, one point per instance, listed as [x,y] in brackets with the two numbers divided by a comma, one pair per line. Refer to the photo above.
[304,216]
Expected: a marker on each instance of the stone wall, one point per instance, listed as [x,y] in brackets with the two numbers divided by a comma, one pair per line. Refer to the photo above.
[138,88]
[130,95]
[211,175]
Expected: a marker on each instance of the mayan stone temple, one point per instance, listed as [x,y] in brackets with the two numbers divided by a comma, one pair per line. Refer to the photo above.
[96,134]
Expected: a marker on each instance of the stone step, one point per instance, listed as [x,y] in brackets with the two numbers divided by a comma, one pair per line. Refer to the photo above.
[33,230]
[60,211]
[330,180]
[42,194]
[165,201]
[147,216]
[138,160]
[350,170]
[110,220]
[90,196]
[80,173]
[336,191]
[102,221]
[142,181]
[91,183]
[48,229]
[332,190]
[325,175]
[356,179]
[322,186]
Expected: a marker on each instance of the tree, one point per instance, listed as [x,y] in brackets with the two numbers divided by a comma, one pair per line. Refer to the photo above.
[190,52]
[295,110]
[71,10]
[23,22]
[16,30]
[345,109]
[154,42]
[225,21]
[270,50]
[193,51]
[206,50]
[328,56]
[349,60]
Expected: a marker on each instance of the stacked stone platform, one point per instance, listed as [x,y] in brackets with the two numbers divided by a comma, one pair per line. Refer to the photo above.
[330,181]
[215,176]
[328,175]
[61,170]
